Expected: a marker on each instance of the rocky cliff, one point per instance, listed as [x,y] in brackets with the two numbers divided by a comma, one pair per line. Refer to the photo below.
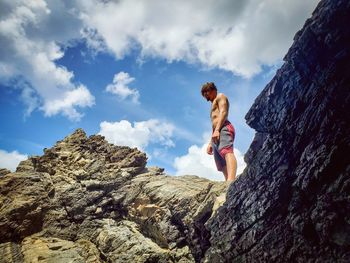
[86,200]
[292,203]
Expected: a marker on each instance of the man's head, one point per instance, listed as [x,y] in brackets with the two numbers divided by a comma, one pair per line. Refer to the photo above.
[209,91]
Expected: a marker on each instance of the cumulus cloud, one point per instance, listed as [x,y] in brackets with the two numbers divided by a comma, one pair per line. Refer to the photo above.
[80,96]
[32,34]
[139,135]
[238,36]
[10,160]
[198,162]
[120,87]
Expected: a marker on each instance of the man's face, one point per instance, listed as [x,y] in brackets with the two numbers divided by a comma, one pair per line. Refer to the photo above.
[208,94]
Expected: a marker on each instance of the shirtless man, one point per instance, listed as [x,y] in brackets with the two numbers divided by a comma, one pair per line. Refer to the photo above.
[221,141]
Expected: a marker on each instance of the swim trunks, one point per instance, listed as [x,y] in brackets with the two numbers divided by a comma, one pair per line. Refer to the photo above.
[225,144]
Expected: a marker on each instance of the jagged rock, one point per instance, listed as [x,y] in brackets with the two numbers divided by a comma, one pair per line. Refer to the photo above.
[24,198]
[4,171]
[86,200]
[172,210]
[292,203]
[79,157]
[55,250]
[123,242]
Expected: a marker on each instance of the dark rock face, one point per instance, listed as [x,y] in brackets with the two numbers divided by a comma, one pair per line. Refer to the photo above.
[292,204]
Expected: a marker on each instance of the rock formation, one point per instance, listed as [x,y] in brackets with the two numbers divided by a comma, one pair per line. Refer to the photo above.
[4,171]
[292,203]
[86,200]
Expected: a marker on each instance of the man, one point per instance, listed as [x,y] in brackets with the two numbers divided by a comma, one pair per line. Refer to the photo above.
[221,141]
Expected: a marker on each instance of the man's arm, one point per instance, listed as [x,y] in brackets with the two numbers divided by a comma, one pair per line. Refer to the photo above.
[209,148]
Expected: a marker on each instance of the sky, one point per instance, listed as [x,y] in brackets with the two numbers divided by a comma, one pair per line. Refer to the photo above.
[132,70]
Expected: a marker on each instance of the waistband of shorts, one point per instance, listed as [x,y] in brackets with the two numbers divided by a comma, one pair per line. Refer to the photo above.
[226,122]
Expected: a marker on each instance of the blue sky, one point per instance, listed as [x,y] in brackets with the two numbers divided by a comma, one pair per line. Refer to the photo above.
[133,72]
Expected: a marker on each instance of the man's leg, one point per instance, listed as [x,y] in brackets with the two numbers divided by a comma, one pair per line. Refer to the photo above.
[231,167]
[224,171]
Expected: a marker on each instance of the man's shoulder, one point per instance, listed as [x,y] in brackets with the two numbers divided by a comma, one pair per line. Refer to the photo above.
[221,96]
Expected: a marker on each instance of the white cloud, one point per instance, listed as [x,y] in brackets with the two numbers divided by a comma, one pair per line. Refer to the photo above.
[10,160]
[120,87]
[32,34]
[238,36]
[198,162]
[79,96]
[140,135]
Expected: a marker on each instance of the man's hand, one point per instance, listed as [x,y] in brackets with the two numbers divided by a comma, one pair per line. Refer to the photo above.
[216,136]
[210,149]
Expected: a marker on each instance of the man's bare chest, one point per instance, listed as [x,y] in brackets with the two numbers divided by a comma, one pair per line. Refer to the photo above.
[214,110]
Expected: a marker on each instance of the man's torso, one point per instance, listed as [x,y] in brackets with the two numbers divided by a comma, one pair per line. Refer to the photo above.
[215,110]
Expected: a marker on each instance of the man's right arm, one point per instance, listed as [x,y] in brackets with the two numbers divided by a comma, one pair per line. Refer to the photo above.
[209,148]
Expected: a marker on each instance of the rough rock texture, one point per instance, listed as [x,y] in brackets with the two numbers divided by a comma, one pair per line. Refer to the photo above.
[86,200]
[292,203]
[4,171]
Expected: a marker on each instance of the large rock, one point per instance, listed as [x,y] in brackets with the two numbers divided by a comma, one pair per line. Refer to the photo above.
[4,171]
[24,200]
[292,203]
[86,200]
[51,250]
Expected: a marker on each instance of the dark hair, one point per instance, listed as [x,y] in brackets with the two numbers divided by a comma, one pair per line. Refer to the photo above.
[207,87]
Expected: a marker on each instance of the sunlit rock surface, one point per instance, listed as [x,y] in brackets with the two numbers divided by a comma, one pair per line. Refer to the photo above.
[86,200]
